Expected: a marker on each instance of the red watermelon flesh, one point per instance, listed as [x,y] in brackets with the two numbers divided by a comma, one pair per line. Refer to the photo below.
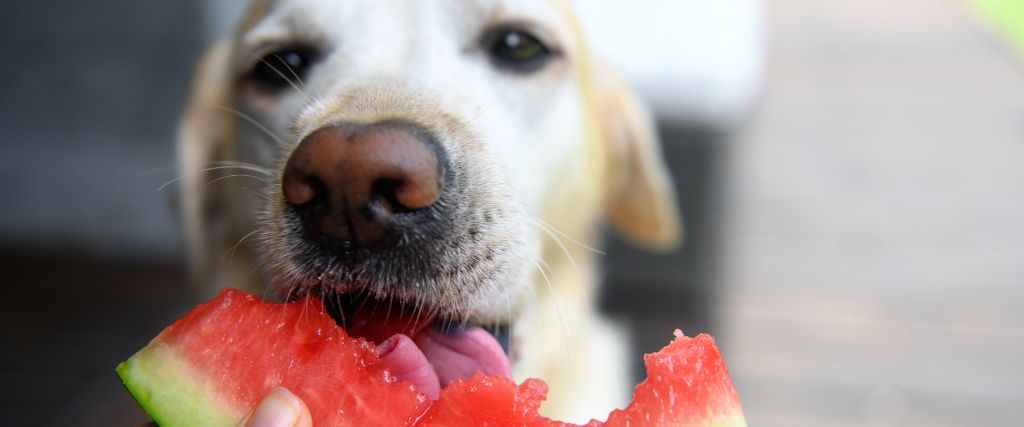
[213,365]
[687,384]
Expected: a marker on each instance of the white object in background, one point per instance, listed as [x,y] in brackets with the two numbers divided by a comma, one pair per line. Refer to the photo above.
[693,61]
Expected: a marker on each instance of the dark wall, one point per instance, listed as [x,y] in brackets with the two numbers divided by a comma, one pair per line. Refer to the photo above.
[90,95]
[655,293]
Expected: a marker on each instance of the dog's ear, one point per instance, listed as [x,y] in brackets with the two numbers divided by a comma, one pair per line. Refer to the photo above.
[642,203]
[203,137]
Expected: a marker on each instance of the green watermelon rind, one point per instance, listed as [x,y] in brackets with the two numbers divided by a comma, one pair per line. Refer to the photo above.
[167,389]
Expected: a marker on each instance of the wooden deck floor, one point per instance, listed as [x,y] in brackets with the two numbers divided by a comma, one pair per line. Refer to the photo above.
[874,271]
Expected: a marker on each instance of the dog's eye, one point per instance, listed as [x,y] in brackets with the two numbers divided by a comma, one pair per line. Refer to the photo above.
[281,68]
[516,50]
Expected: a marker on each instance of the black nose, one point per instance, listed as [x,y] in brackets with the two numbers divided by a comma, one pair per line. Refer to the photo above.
[350,183]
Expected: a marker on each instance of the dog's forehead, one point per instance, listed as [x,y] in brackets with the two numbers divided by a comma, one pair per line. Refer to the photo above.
[328,15]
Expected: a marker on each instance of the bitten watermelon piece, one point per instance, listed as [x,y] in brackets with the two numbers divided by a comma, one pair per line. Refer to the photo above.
[687,384]
[214,364]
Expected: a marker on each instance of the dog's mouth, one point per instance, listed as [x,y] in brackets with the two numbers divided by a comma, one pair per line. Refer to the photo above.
[417,347]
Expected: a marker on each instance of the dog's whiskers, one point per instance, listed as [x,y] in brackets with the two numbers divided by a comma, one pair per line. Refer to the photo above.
[291,71]
[554,229]
[219,179]
[341,313]
[511,321]
[557,241]
[230,256]
[226,164]
[558,304]
[288,291]
[263,128]
[286,78]
[483,110]
[245,167]
[253,192]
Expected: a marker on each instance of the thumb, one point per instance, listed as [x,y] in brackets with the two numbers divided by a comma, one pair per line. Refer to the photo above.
[280,408]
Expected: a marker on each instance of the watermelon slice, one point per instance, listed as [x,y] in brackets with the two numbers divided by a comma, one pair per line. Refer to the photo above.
[214,364]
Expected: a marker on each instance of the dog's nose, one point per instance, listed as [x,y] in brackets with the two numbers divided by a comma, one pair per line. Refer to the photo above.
[349,183]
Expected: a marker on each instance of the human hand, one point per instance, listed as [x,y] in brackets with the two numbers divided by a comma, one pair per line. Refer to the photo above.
[279,408]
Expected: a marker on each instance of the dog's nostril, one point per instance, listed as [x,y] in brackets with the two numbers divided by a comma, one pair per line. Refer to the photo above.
[408,194]
[387,190]
[348,182]
[299,191]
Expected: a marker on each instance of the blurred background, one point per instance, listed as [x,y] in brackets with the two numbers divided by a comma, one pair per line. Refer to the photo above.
[851,175]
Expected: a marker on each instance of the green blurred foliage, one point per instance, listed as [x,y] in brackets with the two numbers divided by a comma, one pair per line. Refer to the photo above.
[1007,16]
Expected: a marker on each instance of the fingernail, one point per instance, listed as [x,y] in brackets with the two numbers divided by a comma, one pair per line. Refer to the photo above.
[279,409]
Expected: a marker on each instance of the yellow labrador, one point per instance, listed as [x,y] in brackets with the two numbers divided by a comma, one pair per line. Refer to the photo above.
[445,160]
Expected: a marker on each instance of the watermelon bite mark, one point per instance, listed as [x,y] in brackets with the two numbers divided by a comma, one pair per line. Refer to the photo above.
[214,364]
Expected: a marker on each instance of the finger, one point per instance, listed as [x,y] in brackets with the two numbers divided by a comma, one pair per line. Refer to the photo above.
[280,408]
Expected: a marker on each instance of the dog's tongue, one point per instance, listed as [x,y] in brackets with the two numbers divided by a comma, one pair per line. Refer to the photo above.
[416,350]
[432,358]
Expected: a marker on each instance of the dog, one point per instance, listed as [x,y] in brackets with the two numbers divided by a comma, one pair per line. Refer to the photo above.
[449,159]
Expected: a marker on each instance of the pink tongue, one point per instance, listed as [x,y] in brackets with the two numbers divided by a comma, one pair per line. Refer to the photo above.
[432,359]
